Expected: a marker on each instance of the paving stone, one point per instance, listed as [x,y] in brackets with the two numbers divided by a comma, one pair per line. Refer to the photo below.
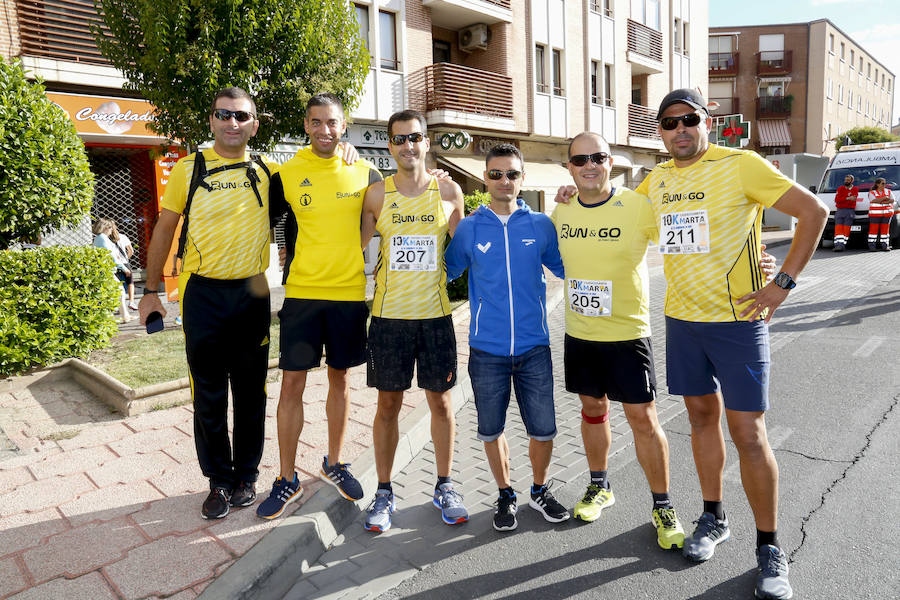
[145,442]
[28,529]
[74,461]
[174,515]
[301,590]
[336,575]
[160,419]
[184,452]
[96,435]
[47,493]
[131,468]
[82,549]
[109,503]
[10,479]
[87,587]
[11,578]
[241,529]
[178,562]
[180,480]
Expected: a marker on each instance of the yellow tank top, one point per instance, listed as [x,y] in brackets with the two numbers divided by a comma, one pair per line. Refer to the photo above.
[411,276]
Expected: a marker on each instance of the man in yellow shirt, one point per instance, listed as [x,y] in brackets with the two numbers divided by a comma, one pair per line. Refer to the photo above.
[224,295]
[708,202]
[413,212]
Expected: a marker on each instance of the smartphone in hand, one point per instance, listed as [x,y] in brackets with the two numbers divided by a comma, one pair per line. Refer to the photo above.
[154,322]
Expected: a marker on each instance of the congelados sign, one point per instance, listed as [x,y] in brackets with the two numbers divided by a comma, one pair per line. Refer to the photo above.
[106,115]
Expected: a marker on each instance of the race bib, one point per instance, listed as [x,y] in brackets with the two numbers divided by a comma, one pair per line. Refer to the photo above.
[590,298]
[684,232]
[413,253]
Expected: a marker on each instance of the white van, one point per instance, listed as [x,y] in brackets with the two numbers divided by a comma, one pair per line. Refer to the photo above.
[866,162]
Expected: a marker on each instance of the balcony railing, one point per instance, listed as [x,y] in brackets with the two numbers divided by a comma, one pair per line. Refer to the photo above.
[645,41]
[723,63]
[773,107]
[774,62]
[642,122]
[448,86]
[59,29]
[727,106]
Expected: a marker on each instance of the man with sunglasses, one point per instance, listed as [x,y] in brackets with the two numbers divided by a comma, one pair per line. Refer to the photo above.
[224,296]
[412,328]
[505,246]
[603,234]
[325,292]
[708,202]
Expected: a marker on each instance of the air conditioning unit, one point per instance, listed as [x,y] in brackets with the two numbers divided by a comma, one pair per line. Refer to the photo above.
[474,37]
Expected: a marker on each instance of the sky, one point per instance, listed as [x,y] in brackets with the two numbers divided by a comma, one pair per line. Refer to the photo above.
[873,24]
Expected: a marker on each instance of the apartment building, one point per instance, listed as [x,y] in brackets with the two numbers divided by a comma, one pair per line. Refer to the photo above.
[800,85]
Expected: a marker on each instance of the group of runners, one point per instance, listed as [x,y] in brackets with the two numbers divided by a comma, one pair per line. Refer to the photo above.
[703,208]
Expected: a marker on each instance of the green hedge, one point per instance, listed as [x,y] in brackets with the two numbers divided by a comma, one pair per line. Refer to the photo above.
[55,303]
[458,289]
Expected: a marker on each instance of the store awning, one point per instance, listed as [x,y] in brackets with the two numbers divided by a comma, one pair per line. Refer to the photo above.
[538,175]
[774,132]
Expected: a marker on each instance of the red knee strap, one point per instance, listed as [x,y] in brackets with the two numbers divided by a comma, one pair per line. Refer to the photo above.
[595,420]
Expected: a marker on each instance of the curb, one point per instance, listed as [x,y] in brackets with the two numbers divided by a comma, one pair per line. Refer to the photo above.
[272,566]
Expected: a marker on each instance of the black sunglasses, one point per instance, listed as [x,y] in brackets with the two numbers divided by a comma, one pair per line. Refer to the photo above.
[241,116]
[400,138]
[690,120]
[497,174]
[579,160]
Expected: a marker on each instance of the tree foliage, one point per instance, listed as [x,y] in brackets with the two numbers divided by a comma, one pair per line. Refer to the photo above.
[864,135]
[45,178]
[178,54]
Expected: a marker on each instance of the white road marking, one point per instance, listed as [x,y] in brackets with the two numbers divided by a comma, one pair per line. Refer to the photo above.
[869,346]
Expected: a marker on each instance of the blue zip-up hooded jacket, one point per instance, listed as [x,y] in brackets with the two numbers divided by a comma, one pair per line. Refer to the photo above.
[507,288]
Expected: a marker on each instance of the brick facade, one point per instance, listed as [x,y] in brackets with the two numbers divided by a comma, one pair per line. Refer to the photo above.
[9,29]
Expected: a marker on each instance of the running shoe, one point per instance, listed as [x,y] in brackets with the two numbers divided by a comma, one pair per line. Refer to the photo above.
[283,493]
[546,504]
[709,533]
[244,494]
[505,514]
[132,306]
[772,574]
[378,515]
[669,532]
[216,504]
[339,476]
[450,502]
[595,499]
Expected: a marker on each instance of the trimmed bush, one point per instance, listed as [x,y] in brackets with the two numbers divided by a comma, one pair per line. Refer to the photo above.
[458,289]
[55,303]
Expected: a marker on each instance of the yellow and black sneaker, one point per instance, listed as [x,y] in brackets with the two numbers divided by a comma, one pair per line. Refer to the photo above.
[669,532]
[595,499]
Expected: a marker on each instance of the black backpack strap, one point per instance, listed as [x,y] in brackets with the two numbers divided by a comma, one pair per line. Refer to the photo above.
[198,179]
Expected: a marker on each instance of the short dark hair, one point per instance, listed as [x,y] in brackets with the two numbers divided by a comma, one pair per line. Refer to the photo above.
[407,115]
[325,99]
[581,135]
[504,150]
[234,93]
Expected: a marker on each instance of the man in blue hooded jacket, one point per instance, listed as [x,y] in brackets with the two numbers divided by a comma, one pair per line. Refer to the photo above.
[504,246]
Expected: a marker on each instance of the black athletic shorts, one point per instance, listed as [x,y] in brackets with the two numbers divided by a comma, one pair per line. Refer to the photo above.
[308,325]
[623,371]
[398,345]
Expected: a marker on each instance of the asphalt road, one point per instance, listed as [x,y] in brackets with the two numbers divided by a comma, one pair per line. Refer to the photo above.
[835,428]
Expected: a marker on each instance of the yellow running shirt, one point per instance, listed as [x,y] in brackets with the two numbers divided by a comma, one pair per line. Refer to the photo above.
[709,215]
[604,252]
[411,276]
[325,196]
[228,232]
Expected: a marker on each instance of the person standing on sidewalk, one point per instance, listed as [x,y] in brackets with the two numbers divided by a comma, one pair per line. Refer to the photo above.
[844,212]
[504,246]
[325,292]
[224,296]
[603,237]
[881,211]
[411,322]
[709,202]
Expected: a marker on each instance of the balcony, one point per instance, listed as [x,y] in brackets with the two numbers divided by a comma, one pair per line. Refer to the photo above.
[773,107]
[456,14]
[727,106]
[723,63]
[642,127]
[451,94]
[60,30]
[774,62]
[645,49]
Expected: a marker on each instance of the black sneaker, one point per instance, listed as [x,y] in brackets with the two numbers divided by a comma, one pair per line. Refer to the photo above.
[244,494]
[216,504]
[505,514]
[772,574]
[546,504]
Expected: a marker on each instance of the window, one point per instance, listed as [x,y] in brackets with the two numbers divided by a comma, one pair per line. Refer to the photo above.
[440,51]
[540,68]
[831,43]
[362,18]
[840,93]
[680,36]
[557,73]
[646,12]
[842,51]
[860,64]
[595,82]
[608,95]
[851,58]
[602,7]
[829,89]
[868,70]
[771,47]
[850,99]
[388,33]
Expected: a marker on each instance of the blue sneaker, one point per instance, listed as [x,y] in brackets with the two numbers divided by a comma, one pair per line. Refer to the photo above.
[283,492]
[772,574]
[339,476]
[450,503]
[710,532]
[378,515]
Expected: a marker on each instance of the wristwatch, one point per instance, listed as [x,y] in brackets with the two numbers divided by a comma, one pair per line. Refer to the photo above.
[785,281]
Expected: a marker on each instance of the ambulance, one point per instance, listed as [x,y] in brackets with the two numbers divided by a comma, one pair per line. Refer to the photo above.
[866,162]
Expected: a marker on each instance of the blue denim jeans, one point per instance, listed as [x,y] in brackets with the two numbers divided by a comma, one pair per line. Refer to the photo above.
[532,375]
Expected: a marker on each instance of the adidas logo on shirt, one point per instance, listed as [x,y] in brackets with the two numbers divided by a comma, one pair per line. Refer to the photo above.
[662,184]
[394,205]
[618,203]
[305,183]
